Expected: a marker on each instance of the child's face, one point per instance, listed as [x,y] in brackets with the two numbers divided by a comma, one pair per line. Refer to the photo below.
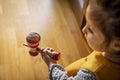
[93,35]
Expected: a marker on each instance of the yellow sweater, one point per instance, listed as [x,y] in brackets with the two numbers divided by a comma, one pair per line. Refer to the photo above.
[95,62]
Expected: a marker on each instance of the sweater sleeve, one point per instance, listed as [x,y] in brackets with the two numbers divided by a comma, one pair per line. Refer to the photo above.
[56,72]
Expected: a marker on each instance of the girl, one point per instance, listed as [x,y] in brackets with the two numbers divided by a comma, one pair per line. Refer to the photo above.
[102,32]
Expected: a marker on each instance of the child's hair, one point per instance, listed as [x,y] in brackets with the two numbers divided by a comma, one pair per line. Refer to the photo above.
[106,15]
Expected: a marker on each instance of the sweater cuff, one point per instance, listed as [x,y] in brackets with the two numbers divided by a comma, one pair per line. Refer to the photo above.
[53,68]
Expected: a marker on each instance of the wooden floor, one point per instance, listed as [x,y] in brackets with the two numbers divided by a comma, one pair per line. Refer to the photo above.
[53,20]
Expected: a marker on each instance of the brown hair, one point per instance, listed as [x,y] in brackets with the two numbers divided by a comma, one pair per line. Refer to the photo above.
[106,15]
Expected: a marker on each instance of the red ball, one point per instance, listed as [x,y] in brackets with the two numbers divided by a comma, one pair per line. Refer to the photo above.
[33,39]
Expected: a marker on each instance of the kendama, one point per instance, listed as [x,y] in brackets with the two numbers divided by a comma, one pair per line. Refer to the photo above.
[33,41]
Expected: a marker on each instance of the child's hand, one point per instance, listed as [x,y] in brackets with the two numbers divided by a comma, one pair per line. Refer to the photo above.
[46,52]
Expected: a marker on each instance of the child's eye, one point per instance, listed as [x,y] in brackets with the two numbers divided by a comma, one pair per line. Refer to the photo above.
[90,30]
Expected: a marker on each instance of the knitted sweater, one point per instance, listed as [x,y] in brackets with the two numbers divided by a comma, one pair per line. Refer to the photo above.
[92,67]
[96,63]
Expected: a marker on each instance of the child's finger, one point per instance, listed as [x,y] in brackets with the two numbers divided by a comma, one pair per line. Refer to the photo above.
[51,49]
[46,51]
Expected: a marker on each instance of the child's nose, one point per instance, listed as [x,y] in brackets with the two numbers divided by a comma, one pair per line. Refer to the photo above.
[84,29]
